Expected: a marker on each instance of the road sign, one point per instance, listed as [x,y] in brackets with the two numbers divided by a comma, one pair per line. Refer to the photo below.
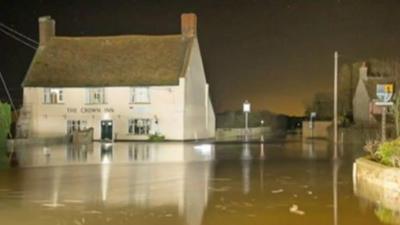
[246,106]
[384,92]
[384,103]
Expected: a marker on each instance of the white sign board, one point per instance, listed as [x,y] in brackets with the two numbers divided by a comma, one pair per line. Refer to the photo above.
[384,103]
[246,106]
[313,114]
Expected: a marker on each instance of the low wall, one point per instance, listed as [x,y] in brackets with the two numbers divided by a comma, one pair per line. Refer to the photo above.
[12,143]
[377,183]
[82,137]
[319,130]
[232,134]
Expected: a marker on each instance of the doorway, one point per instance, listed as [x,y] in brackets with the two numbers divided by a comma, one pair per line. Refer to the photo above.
[106,130]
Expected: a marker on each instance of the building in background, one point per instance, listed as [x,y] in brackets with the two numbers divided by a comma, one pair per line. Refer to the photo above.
[124,87]
[365,111]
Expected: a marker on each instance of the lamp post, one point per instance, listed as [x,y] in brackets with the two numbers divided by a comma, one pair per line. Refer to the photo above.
[313,115]
[246,110]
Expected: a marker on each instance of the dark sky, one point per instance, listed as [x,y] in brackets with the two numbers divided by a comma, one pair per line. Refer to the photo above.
[275,53]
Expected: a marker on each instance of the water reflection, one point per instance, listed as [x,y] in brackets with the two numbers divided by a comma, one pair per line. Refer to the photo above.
[174,188]
[106,152]
[315,149]
[335,171]
[116,153]
[181,183]
[246,163]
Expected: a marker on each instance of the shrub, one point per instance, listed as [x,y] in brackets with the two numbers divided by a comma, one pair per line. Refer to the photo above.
[156,137]
[387,153]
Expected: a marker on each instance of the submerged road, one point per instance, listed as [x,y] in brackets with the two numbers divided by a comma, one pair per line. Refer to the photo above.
[287,182]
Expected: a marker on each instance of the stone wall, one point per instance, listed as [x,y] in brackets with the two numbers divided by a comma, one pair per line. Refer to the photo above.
[235,134]
[319,130]
[377,183]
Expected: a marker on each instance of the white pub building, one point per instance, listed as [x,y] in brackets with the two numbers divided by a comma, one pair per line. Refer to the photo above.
[124,87]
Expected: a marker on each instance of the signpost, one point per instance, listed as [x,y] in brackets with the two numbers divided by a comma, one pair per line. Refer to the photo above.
[384,92]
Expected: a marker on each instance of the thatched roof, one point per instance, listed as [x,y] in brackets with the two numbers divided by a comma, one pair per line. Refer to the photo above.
[132,60]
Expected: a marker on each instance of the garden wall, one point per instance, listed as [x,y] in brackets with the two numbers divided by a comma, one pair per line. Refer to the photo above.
[377,183]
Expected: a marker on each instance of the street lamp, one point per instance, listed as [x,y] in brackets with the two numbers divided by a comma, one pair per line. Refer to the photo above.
[246,110]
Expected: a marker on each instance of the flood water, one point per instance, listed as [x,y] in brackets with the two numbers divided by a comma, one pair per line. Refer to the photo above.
[277,183]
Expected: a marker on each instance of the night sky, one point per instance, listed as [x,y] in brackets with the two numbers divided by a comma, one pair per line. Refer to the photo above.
[276,54]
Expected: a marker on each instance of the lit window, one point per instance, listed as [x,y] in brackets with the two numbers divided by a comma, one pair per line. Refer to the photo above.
[95,96]
[53,96]
[139,126]
[140,95]
[76,125]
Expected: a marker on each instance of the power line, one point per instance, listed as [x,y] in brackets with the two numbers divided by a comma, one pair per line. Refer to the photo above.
[7,92]
[18,33]
[17,38]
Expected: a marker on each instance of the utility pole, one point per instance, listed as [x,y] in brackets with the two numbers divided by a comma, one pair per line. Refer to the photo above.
[335,105]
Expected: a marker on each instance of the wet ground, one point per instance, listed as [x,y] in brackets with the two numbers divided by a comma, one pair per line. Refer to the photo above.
[277,183]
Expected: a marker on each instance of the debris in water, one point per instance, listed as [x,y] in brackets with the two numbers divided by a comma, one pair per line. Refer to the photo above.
[295,209]
[277,191]
[222,207]
[222,189]
[53,205]
[221,179]
[92,212]
[309,192]
[73,201]
[295,196]
[168,215]
[247,204]
[251,215]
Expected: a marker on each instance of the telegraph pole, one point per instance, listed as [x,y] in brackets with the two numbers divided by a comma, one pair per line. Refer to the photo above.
[335,106]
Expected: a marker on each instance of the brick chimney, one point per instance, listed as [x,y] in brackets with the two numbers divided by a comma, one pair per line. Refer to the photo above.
[189,25]
[47,29]
[363,71]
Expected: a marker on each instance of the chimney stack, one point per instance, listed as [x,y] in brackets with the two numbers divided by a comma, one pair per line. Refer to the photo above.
[363,71]
[47,29]
[189,25]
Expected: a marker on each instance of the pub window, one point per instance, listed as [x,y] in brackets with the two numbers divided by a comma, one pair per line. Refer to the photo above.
[95,96]
[53,96]
[140,95]
[139,126]
[76,125]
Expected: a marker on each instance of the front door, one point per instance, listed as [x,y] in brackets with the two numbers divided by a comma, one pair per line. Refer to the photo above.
[106,130]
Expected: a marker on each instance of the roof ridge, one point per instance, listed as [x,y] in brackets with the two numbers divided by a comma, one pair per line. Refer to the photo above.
[116,36]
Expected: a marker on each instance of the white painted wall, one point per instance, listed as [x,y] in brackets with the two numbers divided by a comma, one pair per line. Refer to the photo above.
[361,102]
[50,120]
[199,122]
